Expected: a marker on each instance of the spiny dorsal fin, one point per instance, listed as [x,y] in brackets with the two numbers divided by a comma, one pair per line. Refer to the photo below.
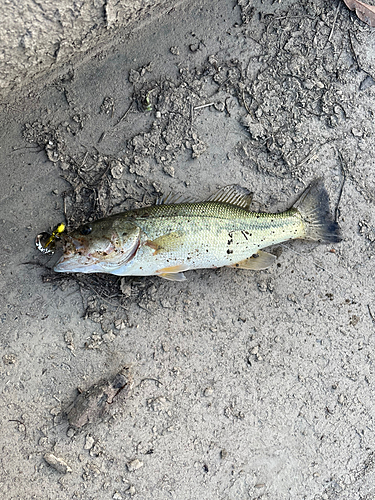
[172,198]
[233,194]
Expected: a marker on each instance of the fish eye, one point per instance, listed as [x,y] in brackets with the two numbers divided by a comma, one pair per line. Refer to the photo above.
[85,230]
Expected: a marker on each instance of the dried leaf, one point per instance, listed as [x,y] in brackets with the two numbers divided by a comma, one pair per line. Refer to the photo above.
[90,406]
[365,12]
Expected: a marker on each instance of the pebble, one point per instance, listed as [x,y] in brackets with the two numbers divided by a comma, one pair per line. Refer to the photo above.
[57,463]
[70,432]
[109,337]
[120,324]
[89,442]
[208,392]
[356,132]
[134,465]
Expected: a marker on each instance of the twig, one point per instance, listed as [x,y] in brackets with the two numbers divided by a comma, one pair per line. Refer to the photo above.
[152,379]
[125,114]
[204,106]
[102,137]
[334,21]
[19,422]
[341,187]
[84,159]
[370,313]
[101,296]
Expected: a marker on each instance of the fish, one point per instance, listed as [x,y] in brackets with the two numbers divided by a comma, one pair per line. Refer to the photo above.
[177,235]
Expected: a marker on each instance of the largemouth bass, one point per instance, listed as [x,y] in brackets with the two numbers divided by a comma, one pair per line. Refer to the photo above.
[175,236]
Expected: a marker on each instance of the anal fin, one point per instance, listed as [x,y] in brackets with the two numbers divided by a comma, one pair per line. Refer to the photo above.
[260,260]
[173,273]
[173,276]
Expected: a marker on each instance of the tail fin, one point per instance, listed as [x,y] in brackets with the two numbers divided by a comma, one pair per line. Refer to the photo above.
[313,206]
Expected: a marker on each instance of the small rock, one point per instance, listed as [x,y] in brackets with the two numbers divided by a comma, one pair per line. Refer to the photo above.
[70,432]
[117,170]
[356,132]
[68,337]
[208,392]
[57,463]
[109,337]
[255,350]
[89,442]
[117,496]
[174,50]
[169,169]
[157,404]
[212,60]
[194,47]
[125,288]
[134,465]
[120,324]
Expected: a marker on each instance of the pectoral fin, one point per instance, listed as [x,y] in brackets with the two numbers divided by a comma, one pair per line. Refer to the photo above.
[260,260]
[173,273]
[166,243]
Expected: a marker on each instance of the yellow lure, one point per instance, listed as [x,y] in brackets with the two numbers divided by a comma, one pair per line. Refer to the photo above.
[60,229]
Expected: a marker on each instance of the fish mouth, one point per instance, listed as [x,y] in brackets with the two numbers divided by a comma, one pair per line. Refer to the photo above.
[75,257]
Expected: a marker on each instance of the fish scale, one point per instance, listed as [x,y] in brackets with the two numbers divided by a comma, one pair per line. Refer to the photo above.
[214,234]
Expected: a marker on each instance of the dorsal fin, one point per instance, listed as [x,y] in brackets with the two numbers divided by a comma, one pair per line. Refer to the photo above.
[171,198]
[233,194]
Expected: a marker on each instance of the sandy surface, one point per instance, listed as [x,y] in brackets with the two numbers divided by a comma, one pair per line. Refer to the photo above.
[245,385]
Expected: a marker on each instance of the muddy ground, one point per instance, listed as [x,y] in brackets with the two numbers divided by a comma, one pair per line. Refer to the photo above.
[244,385]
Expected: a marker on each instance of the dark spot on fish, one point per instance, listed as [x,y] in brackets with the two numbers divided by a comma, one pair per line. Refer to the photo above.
[244,234]
[255,255]
[85,230]
[229,251]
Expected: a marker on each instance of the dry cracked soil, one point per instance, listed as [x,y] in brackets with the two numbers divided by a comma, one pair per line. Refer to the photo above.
[241,385]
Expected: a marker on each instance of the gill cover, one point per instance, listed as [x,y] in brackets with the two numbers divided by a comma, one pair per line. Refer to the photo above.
[103,246]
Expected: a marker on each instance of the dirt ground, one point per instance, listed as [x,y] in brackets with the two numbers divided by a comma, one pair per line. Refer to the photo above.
[244,385]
